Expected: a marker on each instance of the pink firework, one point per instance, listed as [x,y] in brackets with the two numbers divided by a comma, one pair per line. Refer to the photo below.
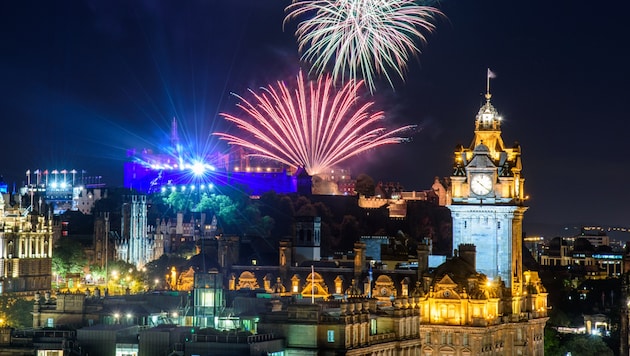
[313,126]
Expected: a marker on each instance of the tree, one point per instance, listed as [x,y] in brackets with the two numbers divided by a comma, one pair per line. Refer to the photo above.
[123,276]
[280,209]
[156,270]
[228,212]
[180,201]
[16,312]
[552,342]
[350,231]
[68,257]
[586,345]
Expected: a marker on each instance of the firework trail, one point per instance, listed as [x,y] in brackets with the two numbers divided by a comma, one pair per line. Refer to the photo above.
[360,38]
[312,126]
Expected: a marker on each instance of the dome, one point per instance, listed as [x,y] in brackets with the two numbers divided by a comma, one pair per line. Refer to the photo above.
[481,148]
[488,118]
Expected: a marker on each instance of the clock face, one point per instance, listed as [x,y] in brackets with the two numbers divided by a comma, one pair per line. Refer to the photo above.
[481,184]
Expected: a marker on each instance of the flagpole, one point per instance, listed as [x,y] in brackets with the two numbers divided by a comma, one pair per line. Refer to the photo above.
[488,82]
[312,284]
[489,75]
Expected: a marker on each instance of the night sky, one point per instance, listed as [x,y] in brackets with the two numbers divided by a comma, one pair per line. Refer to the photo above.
[83,81]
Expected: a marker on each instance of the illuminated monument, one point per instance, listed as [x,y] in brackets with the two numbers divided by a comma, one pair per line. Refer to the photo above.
[487,200]
[177,168]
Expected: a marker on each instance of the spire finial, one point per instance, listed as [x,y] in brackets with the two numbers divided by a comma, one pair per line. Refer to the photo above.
[488,77]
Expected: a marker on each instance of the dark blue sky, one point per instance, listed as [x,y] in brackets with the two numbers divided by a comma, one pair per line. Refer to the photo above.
[83,81]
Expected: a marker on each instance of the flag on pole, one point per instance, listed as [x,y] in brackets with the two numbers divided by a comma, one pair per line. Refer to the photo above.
[491,74]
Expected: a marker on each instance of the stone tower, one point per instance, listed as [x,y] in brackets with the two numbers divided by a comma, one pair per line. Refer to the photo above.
[307,239]
[487,195]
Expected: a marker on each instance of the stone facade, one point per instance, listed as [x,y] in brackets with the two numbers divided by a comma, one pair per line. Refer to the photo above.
[26,242]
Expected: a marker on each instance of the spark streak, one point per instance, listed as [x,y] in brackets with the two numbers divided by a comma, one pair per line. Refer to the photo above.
[360,38]
[312,126]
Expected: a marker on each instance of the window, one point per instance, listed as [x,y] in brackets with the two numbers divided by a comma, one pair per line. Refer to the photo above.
[50,323]
[331,335]
[465,339]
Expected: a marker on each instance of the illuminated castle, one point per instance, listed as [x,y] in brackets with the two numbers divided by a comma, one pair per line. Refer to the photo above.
[176,168]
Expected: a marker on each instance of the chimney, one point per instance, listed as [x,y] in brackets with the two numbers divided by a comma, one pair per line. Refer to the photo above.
[285,258]
[468,252]
[423,251]
[359,258]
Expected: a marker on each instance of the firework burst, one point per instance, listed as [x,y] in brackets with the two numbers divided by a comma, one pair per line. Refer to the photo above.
[360,38]
[313,126]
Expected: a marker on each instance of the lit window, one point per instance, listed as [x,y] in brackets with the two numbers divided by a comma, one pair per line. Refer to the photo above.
[331,335]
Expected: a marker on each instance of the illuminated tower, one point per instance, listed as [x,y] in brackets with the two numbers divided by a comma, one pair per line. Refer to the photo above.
[135,247]
[487,200]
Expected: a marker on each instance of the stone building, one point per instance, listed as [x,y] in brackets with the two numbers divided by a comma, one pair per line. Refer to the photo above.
[26,242]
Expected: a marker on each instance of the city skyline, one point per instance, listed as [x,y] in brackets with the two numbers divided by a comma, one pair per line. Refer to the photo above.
[83,83]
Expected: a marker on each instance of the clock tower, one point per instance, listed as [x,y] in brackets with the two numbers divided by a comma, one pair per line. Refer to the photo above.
[487,200]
